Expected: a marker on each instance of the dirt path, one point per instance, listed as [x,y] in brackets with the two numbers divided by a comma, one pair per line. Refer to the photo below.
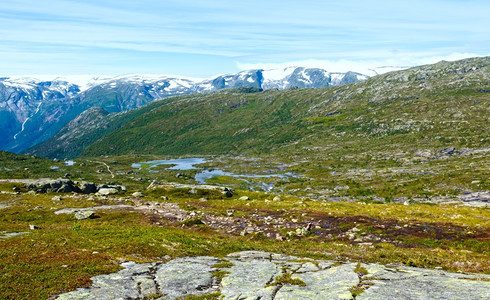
[107,166]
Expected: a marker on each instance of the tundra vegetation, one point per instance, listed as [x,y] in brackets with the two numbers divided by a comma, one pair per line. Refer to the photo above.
[392,170]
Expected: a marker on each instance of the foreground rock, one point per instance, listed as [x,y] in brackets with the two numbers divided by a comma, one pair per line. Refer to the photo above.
[262,275]
[90,210]
[5,235]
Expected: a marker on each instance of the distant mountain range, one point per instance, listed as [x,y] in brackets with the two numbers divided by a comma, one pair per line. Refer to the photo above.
[33,109]
[438,107]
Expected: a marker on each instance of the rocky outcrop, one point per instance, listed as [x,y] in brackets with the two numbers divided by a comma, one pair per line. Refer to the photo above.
[88,187]
[53,186]
[47,185]
[262,275]
[194,188]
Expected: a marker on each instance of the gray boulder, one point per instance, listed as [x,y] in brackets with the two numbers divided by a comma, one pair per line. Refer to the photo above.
[137,194]
[88,187]
[107,191]
[65,188]
[84,214]
[53,185]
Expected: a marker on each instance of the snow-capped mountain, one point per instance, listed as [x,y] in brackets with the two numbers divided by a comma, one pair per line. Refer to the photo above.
[34,108]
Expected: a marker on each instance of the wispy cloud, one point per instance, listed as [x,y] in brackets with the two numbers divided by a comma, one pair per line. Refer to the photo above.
[370,67]
[249,32]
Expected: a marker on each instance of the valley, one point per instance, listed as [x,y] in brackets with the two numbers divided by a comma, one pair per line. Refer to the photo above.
[364,183]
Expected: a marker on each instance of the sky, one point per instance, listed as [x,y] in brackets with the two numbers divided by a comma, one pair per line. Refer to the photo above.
[198,38]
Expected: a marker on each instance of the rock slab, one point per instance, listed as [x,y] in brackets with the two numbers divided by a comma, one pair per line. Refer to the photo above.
[257,275]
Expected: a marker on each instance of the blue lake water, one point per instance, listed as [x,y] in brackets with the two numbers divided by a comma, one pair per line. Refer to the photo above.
[180,163]
[201,177]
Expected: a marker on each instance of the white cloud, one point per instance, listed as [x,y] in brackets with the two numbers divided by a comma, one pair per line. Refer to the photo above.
[367,66]
[355,35]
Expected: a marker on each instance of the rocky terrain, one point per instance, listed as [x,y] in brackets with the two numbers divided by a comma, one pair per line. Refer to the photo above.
[185,237]
[262,275]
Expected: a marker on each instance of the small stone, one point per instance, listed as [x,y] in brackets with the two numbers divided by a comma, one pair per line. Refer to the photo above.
[244,198]
[276,198]
[247,230]
[137,194]
[203,199]
[33,227]
[84,214]
[107,191]
[56,198]
[165,198]
[300,231]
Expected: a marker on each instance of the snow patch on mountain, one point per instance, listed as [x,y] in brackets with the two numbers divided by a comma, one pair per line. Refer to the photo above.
[21,96]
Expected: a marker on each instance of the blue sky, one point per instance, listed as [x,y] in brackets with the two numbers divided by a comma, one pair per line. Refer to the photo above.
[206,38]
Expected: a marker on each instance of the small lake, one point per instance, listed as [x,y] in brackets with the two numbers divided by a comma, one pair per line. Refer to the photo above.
[201,177]
[180,163]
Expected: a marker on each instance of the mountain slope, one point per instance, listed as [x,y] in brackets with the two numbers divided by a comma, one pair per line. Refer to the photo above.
[33,110]
[433,106]
[85,129]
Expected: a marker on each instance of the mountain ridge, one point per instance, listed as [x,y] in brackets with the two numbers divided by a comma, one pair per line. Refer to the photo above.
[33,110]
[408,103]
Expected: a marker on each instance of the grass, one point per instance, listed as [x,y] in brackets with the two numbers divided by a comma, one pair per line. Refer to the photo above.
[286,278]
[212,296]
[363,284]
[65,253]
[223,265]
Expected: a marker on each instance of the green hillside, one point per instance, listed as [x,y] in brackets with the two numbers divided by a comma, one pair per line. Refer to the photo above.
[429,107]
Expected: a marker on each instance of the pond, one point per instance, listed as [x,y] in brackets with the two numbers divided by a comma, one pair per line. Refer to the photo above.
[69,162]
[201,177]
[180,163]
